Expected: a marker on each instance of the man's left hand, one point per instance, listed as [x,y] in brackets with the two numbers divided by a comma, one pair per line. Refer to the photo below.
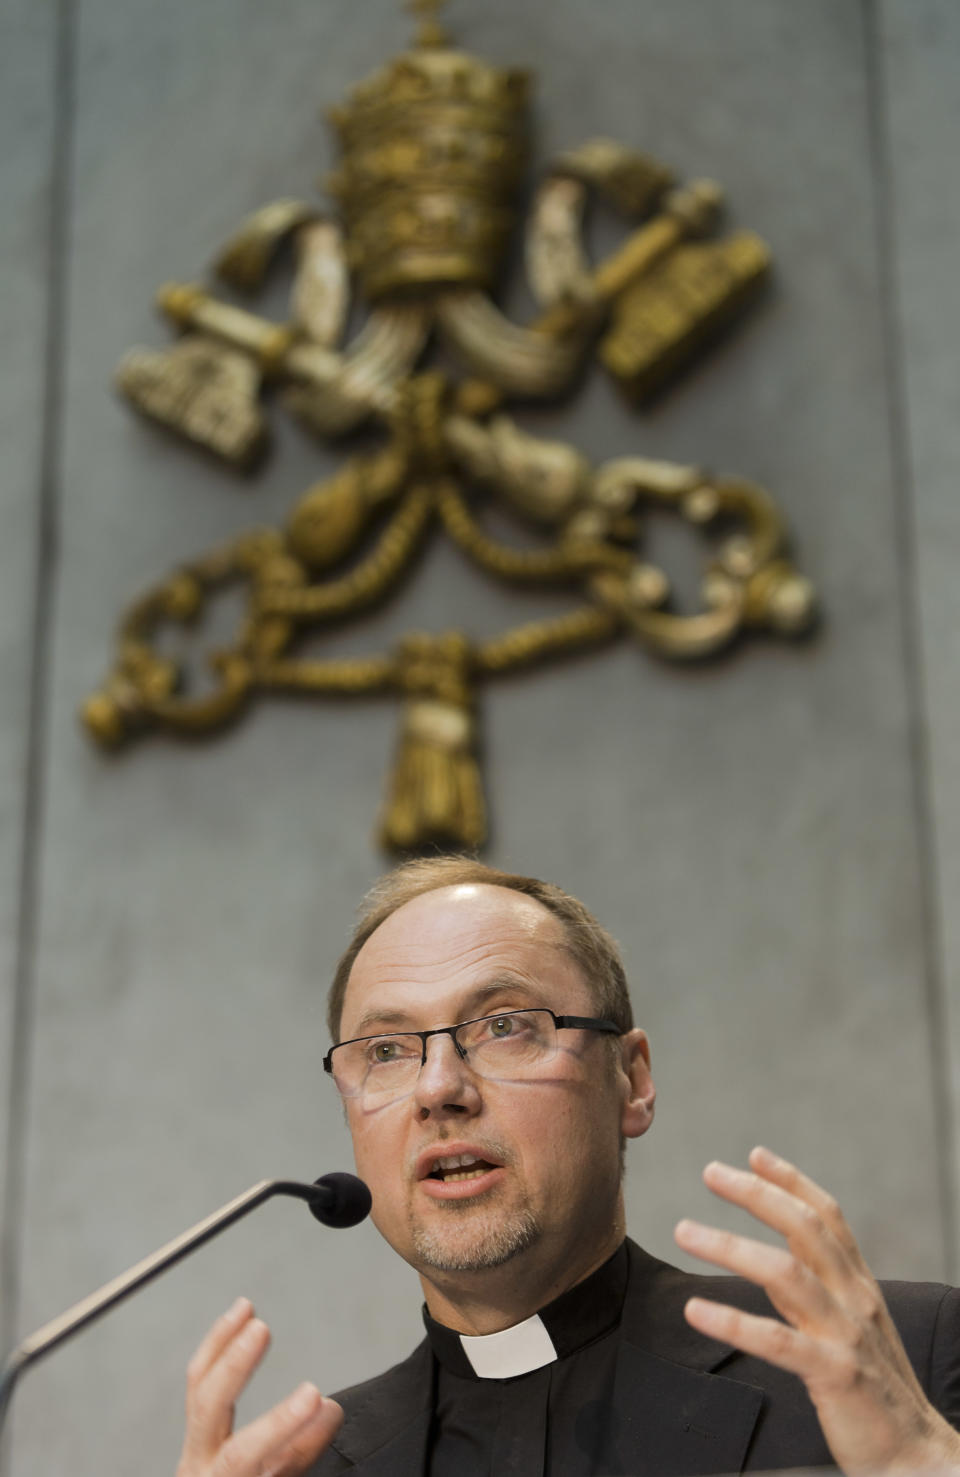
[838,1336]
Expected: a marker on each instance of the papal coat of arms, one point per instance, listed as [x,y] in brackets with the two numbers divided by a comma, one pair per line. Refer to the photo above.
[432,160]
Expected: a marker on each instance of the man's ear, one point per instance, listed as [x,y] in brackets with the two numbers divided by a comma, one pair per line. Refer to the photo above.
[637,1111]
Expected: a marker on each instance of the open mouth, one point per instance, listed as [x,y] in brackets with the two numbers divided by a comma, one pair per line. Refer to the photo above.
[453,1168]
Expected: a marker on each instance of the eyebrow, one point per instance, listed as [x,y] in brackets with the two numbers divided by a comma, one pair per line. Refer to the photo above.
[501,984]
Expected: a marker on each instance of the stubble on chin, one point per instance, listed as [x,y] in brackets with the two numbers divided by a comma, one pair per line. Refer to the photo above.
[472,1238]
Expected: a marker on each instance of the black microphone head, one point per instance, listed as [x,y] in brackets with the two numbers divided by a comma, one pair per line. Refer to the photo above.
[346,1201]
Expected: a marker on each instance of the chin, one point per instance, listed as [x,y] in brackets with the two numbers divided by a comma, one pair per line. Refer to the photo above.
[473,1244]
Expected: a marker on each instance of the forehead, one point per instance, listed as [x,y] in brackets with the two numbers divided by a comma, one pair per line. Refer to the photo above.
[446,947]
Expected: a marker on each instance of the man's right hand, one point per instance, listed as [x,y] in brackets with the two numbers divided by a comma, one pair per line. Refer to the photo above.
[281,1443]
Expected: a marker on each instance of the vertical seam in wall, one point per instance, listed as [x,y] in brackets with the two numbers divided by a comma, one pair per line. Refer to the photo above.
[48,499]
[911,632]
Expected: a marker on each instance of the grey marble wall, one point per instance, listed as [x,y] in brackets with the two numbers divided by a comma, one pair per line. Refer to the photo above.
[775,839]
[30,226]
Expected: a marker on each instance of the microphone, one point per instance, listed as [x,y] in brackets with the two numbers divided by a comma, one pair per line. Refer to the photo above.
[341,1200]
[338,1200]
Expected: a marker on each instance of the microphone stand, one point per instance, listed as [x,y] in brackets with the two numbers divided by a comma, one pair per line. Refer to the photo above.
[320,1196]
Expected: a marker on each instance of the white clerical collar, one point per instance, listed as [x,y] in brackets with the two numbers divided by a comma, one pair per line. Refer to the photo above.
[517,1350]
[578,1317]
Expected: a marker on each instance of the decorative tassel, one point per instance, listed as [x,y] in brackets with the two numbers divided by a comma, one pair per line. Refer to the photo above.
[436,793]
[202,390]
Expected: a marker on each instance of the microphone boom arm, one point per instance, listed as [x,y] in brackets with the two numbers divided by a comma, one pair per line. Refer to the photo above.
[318,1195]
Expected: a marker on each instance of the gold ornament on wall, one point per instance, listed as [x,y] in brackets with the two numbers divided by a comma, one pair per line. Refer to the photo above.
[432,156]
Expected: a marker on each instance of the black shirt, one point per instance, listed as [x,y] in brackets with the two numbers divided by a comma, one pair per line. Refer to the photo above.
[553,1420]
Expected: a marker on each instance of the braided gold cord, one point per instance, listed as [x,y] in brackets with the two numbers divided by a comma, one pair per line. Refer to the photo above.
[143,614]
[200,714]
[347,677]
[520,647]
[536,565]
[180,596]
[369,580]
[542,639]
[240,556]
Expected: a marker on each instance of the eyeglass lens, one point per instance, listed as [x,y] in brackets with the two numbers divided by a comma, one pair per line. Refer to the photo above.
[496,1046]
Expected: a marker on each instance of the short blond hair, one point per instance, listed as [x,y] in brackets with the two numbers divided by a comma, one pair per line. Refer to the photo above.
[587,942]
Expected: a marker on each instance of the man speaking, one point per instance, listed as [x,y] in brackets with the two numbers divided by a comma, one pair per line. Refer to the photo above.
[491,1072]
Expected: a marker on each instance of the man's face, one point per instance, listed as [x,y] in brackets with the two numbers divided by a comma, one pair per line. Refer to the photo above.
[548,1146]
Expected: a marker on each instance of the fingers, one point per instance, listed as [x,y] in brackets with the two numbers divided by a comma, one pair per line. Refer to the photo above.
[218,1336]
[793,1289]
[806,1233]
[820,1281]
[794,1182]
[217,1375]
[782,1197]
[838,1336]
[285,1440]
[778,1343]
[310,1442]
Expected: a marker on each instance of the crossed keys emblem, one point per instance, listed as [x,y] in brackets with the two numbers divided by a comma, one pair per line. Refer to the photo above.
[432,152]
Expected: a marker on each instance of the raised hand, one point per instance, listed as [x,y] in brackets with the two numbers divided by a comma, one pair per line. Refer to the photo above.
[838,1336]
[281,1443]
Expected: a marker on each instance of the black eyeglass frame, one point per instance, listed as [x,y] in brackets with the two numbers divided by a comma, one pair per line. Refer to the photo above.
[561,1023]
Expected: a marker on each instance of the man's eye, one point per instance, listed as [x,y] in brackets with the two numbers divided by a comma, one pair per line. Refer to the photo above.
[501,1026]
[384,1051]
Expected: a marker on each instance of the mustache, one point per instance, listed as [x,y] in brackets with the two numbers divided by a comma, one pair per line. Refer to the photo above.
[487,1148]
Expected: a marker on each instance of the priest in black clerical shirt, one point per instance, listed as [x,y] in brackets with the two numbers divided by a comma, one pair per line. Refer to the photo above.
[534,1397]
[491,1072]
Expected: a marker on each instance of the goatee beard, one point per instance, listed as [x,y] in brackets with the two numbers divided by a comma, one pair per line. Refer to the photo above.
[487,1247]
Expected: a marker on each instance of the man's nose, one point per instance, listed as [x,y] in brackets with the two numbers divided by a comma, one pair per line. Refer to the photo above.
[446,1084]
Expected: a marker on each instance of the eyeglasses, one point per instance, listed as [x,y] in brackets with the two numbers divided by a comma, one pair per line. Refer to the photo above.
[502,1048]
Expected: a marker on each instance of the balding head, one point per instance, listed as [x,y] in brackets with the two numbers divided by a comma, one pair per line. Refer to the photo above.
[585,940]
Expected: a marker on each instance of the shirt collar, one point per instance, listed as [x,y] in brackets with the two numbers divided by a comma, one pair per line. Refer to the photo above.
[573,1320]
